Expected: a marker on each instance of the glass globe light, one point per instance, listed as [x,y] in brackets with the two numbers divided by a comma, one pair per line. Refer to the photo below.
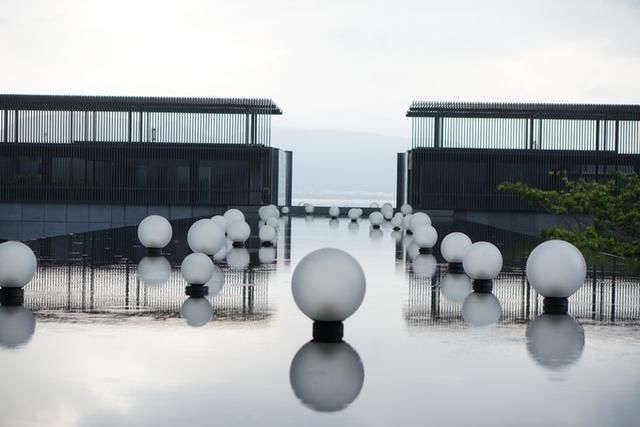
[425,236]
[269,211]
[455,287]
[353,214]
[387,205]
[334,212]
[216,282]
[406,209]
[239,231]
[222,253]
[205,236]
[374,205]
[275,212]
[360,212]
[267,234]
[273,221]
[375,234]
[481,309]
[482,261]
[406,221]
[17,264]
[326,377]
[267,255]
[196,311]
[353,226]
[396,221]
[220,221]
[376,218]
[17,325]
[419,219]
[555,341]
[454,245]
[233,215]
[424,265]
[154,270]
[309,209]
[238,259]
[154,232]
[328,285]
[285,210]
[197,269]
[556,269]
[387,213]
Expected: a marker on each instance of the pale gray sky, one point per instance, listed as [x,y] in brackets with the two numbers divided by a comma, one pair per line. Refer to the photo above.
[350,66]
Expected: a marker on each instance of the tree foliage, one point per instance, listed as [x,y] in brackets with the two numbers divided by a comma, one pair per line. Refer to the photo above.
[606,215]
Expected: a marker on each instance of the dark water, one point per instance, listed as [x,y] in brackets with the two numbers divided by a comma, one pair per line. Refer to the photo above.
[106,349]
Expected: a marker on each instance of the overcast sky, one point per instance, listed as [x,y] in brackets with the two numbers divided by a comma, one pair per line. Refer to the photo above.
[351,66]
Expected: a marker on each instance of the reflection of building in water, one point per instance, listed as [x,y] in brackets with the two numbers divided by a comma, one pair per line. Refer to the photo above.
[607,296]
[116,289]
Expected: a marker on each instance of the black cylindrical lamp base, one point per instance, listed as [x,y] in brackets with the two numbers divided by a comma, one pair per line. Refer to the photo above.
[196,291]
[555,305]
[455,267]
[483,286]
[328,331]
[11,296]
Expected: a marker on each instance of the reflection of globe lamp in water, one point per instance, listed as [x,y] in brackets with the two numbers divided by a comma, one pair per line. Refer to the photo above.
[555,341]
[214,285]
[455,287]
[267,255]
[396,235]
[326,377]
[375,233]
[154,270]
[205,236]
[267,235]
[154,233]
[238,259]
[17,325]
[328,285]
[17,266]
[334,223]
[353,226]
[481,309]
[424,265]
[197,311]
[556,269]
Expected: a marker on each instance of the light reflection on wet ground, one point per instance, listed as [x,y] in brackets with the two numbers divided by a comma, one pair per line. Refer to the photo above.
[104,348]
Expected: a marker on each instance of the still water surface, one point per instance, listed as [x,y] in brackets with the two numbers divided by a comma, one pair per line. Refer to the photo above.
[109,350]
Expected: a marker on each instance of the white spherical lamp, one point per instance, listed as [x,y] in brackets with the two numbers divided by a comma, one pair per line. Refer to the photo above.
[154,232]
[17,325]
[309,209]
[273,221]
[425,236]
[406,209]
[197,269]
[556,269]
[17,266]
[196,311]
[376,218]
[387,213]
[233,215]
[482,261]
[328,286]
[285,210]
[555,341]
[455,287]
[396,221]
[353,214]
[326,377]
[481,309]
[406,222]
[334,212]
[419,219]
[205,236]
[239,232]
[374,205]
[454,246]
[220,221]
[154,270]
[267,235]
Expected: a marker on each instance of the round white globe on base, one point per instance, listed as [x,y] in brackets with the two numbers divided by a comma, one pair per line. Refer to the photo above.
[220,221]
[154,232]
[406,209]
[233,215]
[197,269]
[309,209]
[18,264]
[328,285]
[481,309]
[556,269]
[205,236]
[482,261]
[374,205]
[353,214]
[267,234]
[419,219]
[285,210]
[196,311]
[396,221]
[425,236]
[454,246]
[334,212]
[239,232]
[327,377]
[376,218]
[406,222]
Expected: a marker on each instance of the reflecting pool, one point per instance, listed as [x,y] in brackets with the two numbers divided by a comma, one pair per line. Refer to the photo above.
[108,337]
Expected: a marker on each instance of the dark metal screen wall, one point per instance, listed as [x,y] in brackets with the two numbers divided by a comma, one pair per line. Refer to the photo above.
[462,151]
[138,150]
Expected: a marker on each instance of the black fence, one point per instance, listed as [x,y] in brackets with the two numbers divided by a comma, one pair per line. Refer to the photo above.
[183,151]
[462,151]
